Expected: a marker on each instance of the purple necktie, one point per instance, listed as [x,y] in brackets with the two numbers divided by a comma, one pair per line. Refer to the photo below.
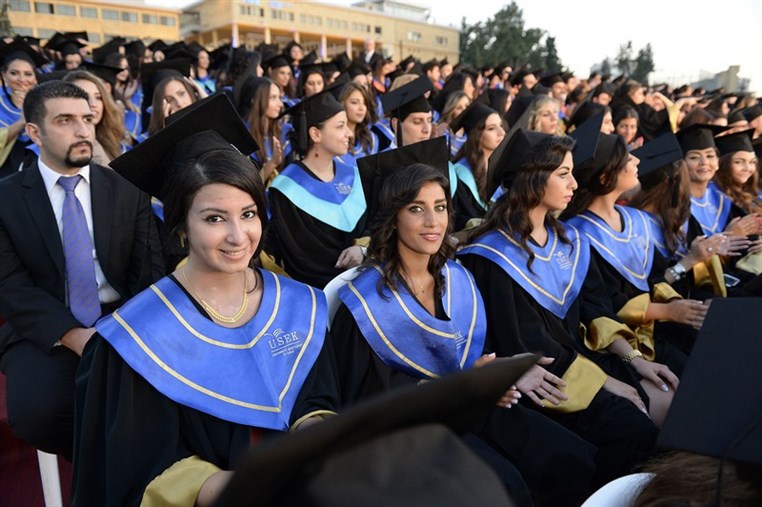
[78,253]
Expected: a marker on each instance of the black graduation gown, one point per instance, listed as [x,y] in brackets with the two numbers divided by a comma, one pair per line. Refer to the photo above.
[555,464]
[128,433]
[308,247]
[517,323]
[466,207]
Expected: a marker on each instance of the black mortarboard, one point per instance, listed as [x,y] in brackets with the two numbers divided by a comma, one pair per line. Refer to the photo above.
[64,44]
[207,125]
[427,66]
[750,113]
[444,62]
[736,116]
[112,46]
[308,457]
[77,35]
[584,112]
[407,99]
[374,169]
[310,112]
[158,45]
[338,85]
[104,72]
[276,62]
[358,68]
[510,155]
[471,116]
[20,50]
[698,136]
[136,48]
[737,141]
[342,61]
[54,41]
[518,108]
[179,50]
[56,75]
[517,77]
[550,78]
[152,73]
[32,41]
[705,416]
[592,149]
[656,158]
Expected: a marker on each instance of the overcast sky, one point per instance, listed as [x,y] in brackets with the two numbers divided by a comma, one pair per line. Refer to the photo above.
[688,36]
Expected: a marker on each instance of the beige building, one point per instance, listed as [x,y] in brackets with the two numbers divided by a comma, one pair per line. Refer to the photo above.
[399,29]
[102,20]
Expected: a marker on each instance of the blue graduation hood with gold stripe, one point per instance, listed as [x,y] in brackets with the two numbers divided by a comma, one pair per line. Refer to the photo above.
[248,375]
[407,337]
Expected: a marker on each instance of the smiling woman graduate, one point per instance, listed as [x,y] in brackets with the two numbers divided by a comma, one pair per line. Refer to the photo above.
[177,385]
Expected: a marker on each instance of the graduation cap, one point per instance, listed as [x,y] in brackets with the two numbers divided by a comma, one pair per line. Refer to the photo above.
[56,75]
[518,108]
[32,41]
[338,85]
[656,160]
[64,45]
[77,35]
[135,48]
[158,45]
[753,112]
[584,112]
[310,112]
[343,62]
[358,67]
[517,77]
[100,54]
[444,62]
[510,156]
[698,136]
[317,458]
[104,72]
[374,169]
[179,50]
[592,150]
[207,125]
[736,116]
[548,79]
[20,50]
[407,99]
[738,141]
[731,428]
[277,61]
[476,112]
[309,58]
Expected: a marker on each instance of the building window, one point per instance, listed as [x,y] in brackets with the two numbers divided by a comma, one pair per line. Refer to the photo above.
[414,36]
[442,41]
[24,31]
[284,15]
[19,5]
[110,14]
[94,37]
[43,8]
[150,19]
[88,12]
[45,33]
[66,10]
[129,17]
[167,21]
[378,30]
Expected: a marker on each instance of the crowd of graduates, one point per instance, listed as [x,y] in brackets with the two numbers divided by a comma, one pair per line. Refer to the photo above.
[453,215]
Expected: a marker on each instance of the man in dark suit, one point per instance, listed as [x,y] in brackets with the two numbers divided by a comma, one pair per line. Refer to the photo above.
[76,240]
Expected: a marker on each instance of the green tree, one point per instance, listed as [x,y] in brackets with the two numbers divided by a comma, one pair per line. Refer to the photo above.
[606,67]
[6,30]
[624,60]
[503,38]
[644,64]
[552,60]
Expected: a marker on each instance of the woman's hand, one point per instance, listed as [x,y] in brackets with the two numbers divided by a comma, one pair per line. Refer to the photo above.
[131,88]
[657,373]
[539,384]
[439,130]
[687,311]
[755,246]
[626,391]
[703,248]
[745,226]
[350,257]
[512,395]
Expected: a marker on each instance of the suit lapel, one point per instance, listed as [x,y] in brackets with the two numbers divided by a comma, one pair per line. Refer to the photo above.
[38,203]
[102,199]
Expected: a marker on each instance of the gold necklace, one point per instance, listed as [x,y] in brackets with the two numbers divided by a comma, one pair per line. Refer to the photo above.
[214,313]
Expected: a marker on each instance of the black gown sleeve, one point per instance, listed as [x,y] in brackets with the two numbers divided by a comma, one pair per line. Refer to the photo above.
[307,247]
[466,207]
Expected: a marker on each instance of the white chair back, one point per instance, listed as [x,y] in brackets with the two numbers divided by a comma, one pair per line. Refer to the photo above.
[332,292]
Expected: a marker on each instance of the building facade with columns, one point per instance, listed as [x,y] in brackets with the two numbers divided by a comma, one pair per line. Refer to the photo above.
[399,29]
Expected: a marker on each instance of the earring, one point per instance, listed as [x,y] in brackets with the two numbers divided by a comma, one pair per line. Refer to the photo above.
[316,151]
[182,241]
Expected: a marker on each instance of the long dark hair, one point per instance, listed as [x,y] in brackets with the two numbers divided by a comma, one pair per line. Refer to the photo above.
[472,152]
[362,130]
[399,190]
[216,166]
[600,182]
[744,196]
[525,192]
[670,201]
